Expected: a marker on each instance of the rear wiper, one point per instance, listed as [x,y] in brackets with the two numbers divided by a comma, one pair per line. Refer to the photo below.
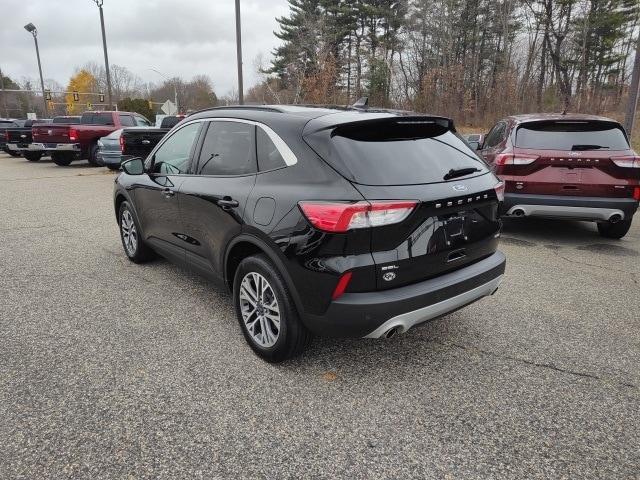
[588,147]
[459,172]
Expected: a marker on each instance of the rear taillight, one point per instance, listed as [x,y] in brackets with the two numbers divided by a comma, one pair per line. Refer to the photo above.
[122,144]
[499,188]
[341,286]
[627,162]
[73,135]
[511,159]
[636,193]
[340,217]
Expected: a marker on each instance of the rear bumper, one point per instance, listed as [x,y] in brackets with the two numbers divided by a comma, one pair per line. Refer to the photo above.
[57,147]
[373,314]
[110,158]
[569,207]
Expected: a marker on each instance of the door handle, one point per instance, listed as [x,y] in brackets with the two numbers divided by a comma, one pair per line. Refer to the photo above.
[227,203]
[168,192]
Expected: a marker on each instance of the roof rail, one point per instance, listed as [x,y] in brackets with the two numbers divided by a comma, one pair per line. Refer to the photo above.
[240,107]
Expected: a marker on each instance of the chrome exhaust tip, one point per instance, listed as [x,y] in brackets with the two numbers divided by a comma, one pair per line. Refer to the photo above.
[615,218]
[391,332]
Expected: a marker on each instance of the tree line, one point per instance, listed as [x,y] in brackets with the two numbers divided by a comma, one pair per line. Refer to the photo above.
[130,93]
[473,59]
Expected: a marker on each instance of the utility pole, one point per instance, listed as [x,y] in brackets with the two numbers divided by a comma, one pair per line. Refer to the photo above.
[106,57]
[31,28]
[239,53]
[633,92]
[4,96]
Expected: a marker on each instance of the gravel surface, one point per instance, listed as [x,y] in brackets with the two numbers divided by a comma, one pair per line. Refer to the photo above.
[117,371]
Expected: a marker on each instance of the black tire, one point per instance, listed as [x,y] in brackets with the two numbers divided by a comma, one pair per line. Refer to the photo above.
[93,155]
[62,159]
[113,167]
[32,156]
[292,338]
[141,252]
[614,230]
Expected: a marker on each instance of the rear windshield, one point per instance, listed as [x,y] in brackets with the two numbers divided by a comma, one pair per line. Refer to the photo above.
[572,135]
[91,118]
[66,120]
[398,152]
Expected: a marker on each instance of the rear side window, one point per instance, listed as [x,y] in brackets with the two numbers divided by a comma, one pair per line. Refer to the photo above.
[228,149]
[394,153]
[142,122]
[96,118]
[269,157]
[127,121]
[571,135]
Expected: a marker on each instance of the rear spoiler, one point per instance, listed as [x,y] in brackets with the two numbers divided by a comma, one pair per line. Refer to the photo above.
[351,119]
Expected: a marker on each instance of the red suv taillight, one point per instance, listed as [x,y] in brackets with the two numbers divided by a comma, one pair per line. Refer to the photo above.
[73,135]
[122,144]
[629,161]
[338,217]
[511,159]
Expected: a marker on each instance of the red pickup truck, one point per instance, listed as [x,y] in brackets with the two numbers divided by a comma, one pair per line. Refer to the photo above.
[67,143]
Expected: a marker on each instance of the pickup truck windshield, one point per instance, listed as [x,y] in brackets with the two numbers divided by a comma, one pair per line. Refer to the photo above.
[97,118]
[571,135]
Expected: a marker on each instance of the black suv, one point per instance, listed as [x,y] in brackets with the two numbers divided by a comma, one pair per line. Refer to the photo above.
[321,221]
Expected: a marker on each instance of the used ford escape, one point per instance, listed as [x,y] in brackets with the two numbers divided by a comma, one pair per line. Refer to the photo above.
[320,221]
[566,166]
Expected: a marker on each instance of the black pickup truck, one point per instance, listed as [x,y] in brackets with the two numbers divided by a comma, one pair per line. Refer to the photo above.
[6,124]
[130,142]
[19,140]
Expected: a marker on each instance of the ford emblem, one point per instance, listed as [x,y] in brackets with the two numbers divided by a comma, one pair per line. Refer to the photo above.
[389,276]
[460,187]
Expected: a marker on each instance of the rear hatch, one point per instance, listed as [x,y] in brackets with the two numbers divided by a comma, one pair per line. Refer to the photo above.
[139,142]
[53,134]
[454,221]
[569,157]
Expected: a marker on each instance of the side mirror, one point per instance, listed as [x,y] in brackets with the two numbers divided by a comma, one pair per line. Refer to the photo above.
[475,141]
[134,166]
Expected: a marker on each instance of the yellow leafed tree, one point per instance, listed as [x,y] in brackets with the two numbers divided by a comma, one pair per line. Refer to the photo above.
[81,82]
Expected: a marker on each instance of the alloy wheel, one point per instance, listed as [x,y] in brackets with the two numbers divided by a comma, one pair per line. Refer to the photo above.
[259,308]
[129,232]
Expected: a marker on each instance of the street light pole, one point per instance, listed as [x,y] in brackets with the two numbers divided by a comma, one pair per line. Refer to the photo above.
[104,47]
[31,28]
[175,90]
[4,95]
[239,53]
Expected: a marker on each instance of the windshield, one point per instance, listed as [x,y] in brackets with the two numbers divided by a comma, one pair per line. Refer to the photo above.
[396,152]
[571,135]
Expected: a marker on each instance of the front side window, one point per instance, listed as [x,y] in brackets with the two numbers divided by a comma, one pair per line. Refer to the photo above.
[228,149]
[172,158]
[269,157]
[495,136]
[142,122]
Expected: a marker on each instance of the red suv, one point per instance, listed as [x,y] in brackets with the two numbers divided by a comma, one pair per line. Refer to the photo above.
[578,167]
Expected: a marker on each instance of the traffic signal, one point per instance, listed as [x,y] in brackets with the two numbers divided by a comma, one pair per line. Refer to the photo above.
[76,96]
[150,104]
[50,104]
[47,95]
[102,98]
[89,105]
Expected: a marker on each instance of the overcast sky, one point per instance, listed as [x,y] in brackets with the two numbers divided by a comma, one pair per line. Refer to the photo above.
[177,37]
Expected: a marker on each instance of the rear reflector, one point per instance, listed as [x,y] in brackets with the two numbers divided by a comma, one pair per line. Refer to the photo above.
[499,188]
[627,162]
[342,285]
[511,159]
[341,216]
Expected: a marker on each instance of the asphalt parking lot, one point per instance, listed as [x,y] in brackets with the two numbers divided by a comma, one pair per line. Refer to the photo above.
[115,370]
